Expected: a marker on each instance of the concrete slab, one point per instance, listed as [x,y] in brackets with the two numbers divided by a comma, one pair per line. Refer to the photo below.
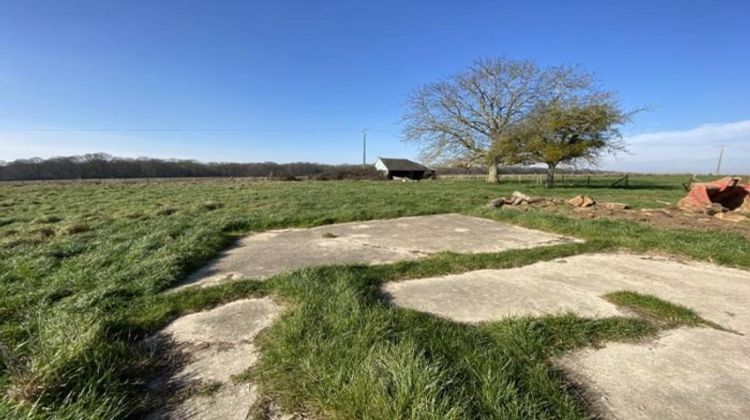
[488,295]
[685,373]
[379,241]
[218,345]
[688,373]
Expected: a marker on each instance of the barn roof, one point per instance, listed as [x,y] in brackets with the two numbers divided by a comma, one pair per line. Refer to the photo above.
[403,165]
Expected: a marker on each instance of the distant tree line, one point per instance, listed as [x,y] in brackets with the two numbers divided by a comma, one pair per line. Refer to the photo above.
[104,166]
[101,166]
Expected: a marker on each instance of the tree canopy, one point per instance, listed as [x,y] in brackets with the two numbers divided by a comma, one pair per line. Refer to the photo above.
[565,133]
[465,118]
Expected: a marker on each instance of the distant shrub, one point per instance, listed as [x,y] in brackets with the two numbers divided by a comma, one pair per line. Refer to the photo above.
[362,174]
[283,178]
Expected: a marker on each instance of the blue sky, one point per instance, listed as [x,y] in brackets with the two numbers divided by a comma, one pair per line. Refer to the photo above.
[302,78]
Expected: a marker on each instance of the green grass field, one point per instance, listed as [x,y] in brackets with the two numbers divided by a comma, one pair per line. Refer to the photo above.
[83,265]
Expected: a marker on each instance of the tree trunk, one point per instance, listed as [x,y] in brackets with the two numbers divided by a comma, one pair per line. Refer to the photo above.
[550,176]
[492,175]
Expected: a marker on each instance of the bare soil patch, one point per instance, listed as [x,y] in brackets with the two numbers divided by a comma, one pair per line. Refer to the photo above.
[669,218]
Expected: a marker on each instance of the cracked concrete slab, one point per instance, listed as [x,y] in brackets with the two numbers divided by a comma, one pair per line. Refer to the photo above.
[218,344]
[379,241]
[684,373]
[688,373]
[487,295]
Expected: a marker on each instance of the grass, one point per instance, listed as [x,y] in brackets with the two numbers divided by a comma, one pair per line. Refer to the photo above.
[208,389]
[344,352]
[659,311]
[82,268]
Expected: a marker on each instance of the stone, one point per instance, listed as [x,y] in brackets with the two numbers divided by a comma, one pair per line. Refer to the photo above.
[519,198]
[731,217]
[522,196]
[615,206]
[581,201]
[496,203]
[745,207]
[715,208]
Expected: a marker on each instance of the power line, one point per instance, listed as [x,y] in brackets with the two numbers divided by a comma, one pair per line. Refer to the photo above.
[189,129]
[207,129]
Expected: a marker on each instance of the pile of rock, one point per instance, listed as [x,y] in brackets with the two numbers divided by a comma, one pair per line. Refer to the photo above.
[579,202]
[585,201]
[519,199]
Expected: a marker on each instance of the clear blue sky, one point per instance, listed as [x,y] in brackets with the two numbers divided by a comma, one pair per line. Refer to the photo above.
[281,68]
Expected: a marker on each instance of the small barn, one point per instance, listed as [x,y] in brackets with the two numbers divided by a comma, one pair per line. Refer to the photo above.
[403,168]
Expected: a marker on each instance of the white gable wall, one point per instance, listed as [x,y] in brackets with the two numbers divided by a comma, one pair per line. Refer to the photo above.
[379,165]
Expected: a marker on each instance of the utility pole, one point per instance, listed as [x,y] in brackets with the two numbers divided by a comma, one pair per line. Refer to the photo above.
[364,148]
[718,165]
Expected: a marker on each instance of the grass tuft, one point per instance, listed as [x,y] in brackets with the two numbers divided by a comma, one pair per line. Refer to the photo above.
[211,205]
[661,312]
[77,228]
[208,389]
[48,219]
[166,211]
[44,233]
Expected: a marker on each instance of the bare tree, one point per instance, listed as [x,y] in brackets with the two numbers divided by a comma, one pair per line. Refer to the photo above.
[460,119]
